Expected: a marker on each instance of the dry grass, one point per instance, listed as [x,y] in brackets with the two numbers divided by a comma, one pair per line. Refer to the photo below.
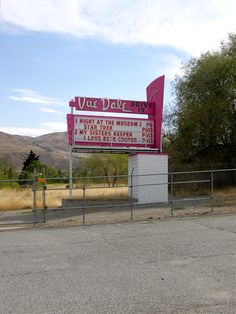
[54,197]
[16,199]
[13,199]
[226,197]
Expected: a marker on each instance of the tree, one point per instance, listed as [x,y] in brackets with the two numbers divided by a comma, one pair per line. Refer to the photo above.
[32,157]
[33,166]
[109,165]
[205,113]
[7,172]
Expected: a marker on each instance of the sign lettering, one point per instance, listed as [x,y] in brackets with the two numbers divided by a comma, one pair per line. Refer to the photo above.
[111,131]
[113,105]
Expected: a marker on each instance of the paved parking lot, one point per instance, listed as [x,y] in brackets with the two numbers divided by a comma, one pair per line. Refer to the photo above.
[185,265]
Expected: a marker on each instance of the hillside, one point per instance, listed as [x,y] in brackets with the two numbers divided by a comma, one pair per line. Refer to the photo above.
[52,149]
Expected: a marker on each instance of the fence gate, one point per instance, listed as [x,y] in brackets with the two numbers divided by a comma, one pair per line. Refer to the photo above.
[21,202]
[16,202]
[39,201]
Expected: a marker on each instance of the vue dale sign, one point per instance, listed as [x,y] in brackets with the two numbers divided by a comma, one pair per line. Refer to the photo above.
[113,105]
[99,131]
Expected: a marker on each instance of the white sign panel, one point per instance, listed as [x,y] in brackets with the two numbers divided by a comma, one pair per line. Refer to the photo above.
[113,131]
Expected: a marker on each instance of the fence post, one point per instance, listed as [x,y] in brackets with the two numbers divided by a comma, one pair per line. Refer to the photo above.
[131,194]
[44,187]
[171,194]
[212,190]
[44,202]
[34,189]
[84,190]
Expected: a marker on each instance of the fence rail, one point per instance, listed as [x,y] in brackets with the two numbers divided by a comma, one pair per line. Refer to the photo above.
[207,189]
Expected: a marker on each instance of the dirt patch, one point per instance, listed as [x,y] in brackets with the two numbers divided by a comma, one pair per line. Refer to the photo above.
[140,214]
[97,213]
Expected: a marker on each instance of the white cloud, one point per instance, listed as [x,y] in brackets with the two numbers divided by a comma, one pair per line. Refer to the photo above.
[54,126]
[32,97]
[25,131]
[49,110]
[44,128]
[171,65]
[193,26]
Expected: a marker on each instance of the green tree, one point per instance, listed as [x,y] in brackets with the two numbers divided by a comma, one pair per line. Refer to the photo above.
[205,113]
[112,165]
[31,158]
[7,172]
[32,166]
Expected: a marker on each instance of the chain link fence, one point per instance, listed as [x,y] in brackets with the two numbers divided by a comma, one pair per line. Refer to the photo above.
[111,199]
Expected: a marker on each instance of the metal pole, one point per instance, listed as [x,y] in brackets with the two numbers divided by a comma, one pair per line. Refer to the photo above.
[84,189]
[131,194]
[71,162]
[34,189]
[70,171]
[161,141]
[44,197]
[44,202]
[212,190]
[171,194]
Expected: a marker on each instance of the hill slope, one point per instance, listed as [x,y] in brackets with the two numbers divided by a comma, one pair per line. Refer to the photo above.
[52,149]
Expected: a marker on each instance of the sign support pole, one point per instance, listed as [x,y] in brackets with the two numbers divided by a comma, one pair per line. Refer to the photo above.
[71,165]
[70,171]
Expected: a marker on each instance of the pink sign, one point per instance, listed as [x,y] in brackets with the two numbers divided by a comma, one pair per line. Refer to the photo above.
[113,105]
[155,93]
[110,131]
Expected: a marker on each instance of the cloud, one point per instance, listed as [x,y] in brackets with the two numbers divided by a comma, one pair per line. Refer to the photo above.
[171,65]
[49,110]
[32,97]
[54,126]
[44,128]
[25,131]
[192,26]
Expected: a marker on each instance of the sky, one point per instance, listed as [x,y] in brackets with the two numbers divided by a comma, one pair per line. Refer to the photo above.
[54,50]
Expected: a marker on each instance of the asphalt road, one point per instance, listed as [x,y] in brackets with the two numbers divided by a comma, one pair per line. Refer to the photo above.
[183,265]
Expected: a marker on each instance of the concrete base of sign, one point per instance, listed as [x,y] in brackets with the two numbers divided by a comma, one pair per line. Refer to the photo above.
[150,177]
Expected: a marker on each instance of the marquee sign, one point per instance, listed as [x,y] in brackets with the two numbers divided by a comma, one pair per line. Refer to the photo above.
[110,131]
[113,105]
[114,131]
